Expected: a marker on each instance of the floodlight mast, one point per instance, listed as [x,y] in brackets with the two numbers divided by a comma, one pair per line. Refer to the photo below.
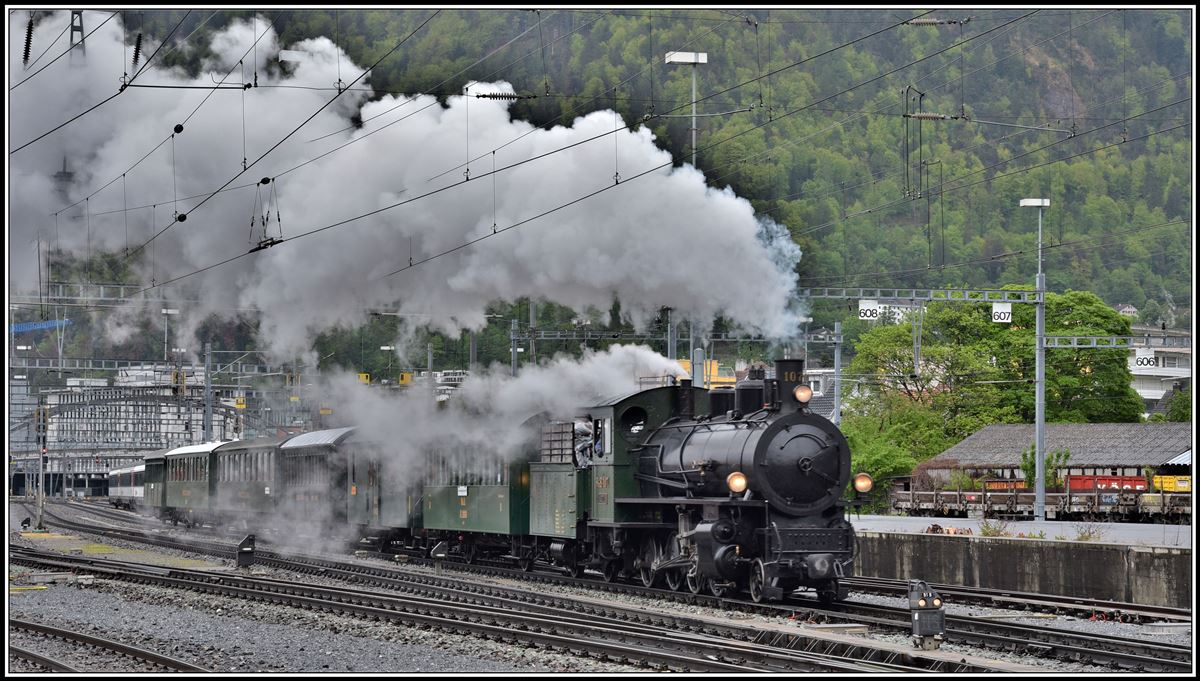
[1039,500]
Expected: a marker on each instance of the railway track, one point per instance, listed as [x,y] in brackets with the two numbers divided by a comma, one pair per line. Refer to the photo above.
[41,660]
[1081,607]
[155,661]
[997,598]
[598,634]
[1119,653]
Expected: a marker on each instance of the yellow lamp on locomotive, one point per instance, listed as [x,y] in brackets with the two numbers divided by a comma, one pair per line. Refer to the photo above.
[803,394]
[863,483]
[736,482]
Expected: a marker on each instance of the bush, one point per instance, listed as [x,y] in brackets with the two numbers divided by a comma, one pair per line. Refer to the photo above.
[962,480]
[1089,532]
[994,528]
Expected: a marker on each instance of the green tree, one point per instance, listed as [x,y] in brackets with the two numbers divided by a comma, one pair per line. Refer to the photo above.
[1179,406]
[1054,461]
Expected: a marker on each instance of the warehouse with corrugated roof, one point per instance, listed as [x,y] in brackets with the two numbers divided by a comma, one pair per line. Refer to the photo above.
[1095,448]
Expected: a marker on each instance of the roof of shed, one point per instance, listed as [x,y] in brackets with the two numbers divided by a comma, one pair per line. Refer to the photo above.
[1090,444]
[1184,459]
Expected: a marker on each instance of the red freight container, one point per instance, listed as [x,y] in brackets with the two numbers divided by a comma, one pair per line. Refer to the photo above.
[1090,483]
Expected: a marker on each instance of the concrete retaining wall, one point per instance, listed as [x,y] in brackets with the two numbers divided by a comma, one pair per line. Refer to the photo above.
[1131,574]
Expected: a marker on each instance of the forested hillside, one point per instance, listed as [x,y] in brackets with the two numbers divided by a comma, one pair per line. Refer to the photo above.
[819,141]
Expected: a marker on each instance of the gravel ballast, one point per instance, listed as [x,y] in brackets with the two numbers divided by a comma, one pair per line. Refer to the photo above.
[227,635]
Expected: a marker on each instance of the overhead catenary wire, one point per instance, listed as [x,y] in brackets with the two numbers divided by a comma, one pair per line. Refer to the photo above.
[296,129]
[534,158]
[66,28]
[896,202]
[444,80]
[1088,242]
[98,104]
[1002,29]
[883,174]
[595,98]
[64,53]
[343,222]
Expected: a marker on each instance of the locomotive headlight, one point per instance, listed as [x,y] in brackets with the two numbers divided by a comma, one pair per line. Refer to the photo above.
[736,482]
[803,394]
[863,483]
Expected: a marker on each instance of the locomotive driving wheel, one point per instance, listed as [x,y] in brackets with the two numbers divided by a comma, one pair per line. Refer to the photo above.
[758,578]
[718,589]
[650,553]
[695,583]
[610,570]
[828,593]
[674,579]
[673,576]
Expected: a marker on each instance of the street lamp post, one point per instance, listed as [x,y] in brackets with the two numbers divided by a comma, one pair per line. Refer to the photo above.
[695,59]
[388,348]
[167,312]
[1039,502]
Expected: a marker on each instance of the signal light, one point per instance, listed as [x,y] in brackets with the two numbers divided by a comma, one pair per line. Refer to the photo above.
[863,483]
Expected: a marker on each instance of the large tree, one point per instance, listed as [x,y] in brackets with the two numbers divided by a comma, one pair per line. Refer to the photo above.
[975,372]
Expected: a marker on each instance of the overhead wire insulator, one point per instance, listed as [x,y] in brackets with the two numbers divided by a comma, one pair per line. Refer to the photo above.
[28,40]
[137,49]
[503,95]
[926,116]
[925,22]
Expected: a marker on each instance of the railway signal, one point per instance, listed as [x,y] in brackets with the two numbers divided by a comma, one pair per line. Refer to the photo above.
[928,615]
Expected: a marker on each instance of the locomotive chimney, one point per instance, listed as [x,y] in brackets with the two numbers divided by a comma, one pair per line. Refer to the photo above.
[687,409]
[789,373]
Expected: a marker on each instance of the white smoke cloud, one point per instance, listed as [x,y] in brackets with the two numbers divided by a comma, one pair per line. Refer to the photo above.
[488,410]
[651,241]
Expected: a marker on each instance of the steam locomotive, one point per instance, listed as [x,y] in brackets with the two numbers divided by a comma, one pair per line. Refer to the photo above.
[706,490]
